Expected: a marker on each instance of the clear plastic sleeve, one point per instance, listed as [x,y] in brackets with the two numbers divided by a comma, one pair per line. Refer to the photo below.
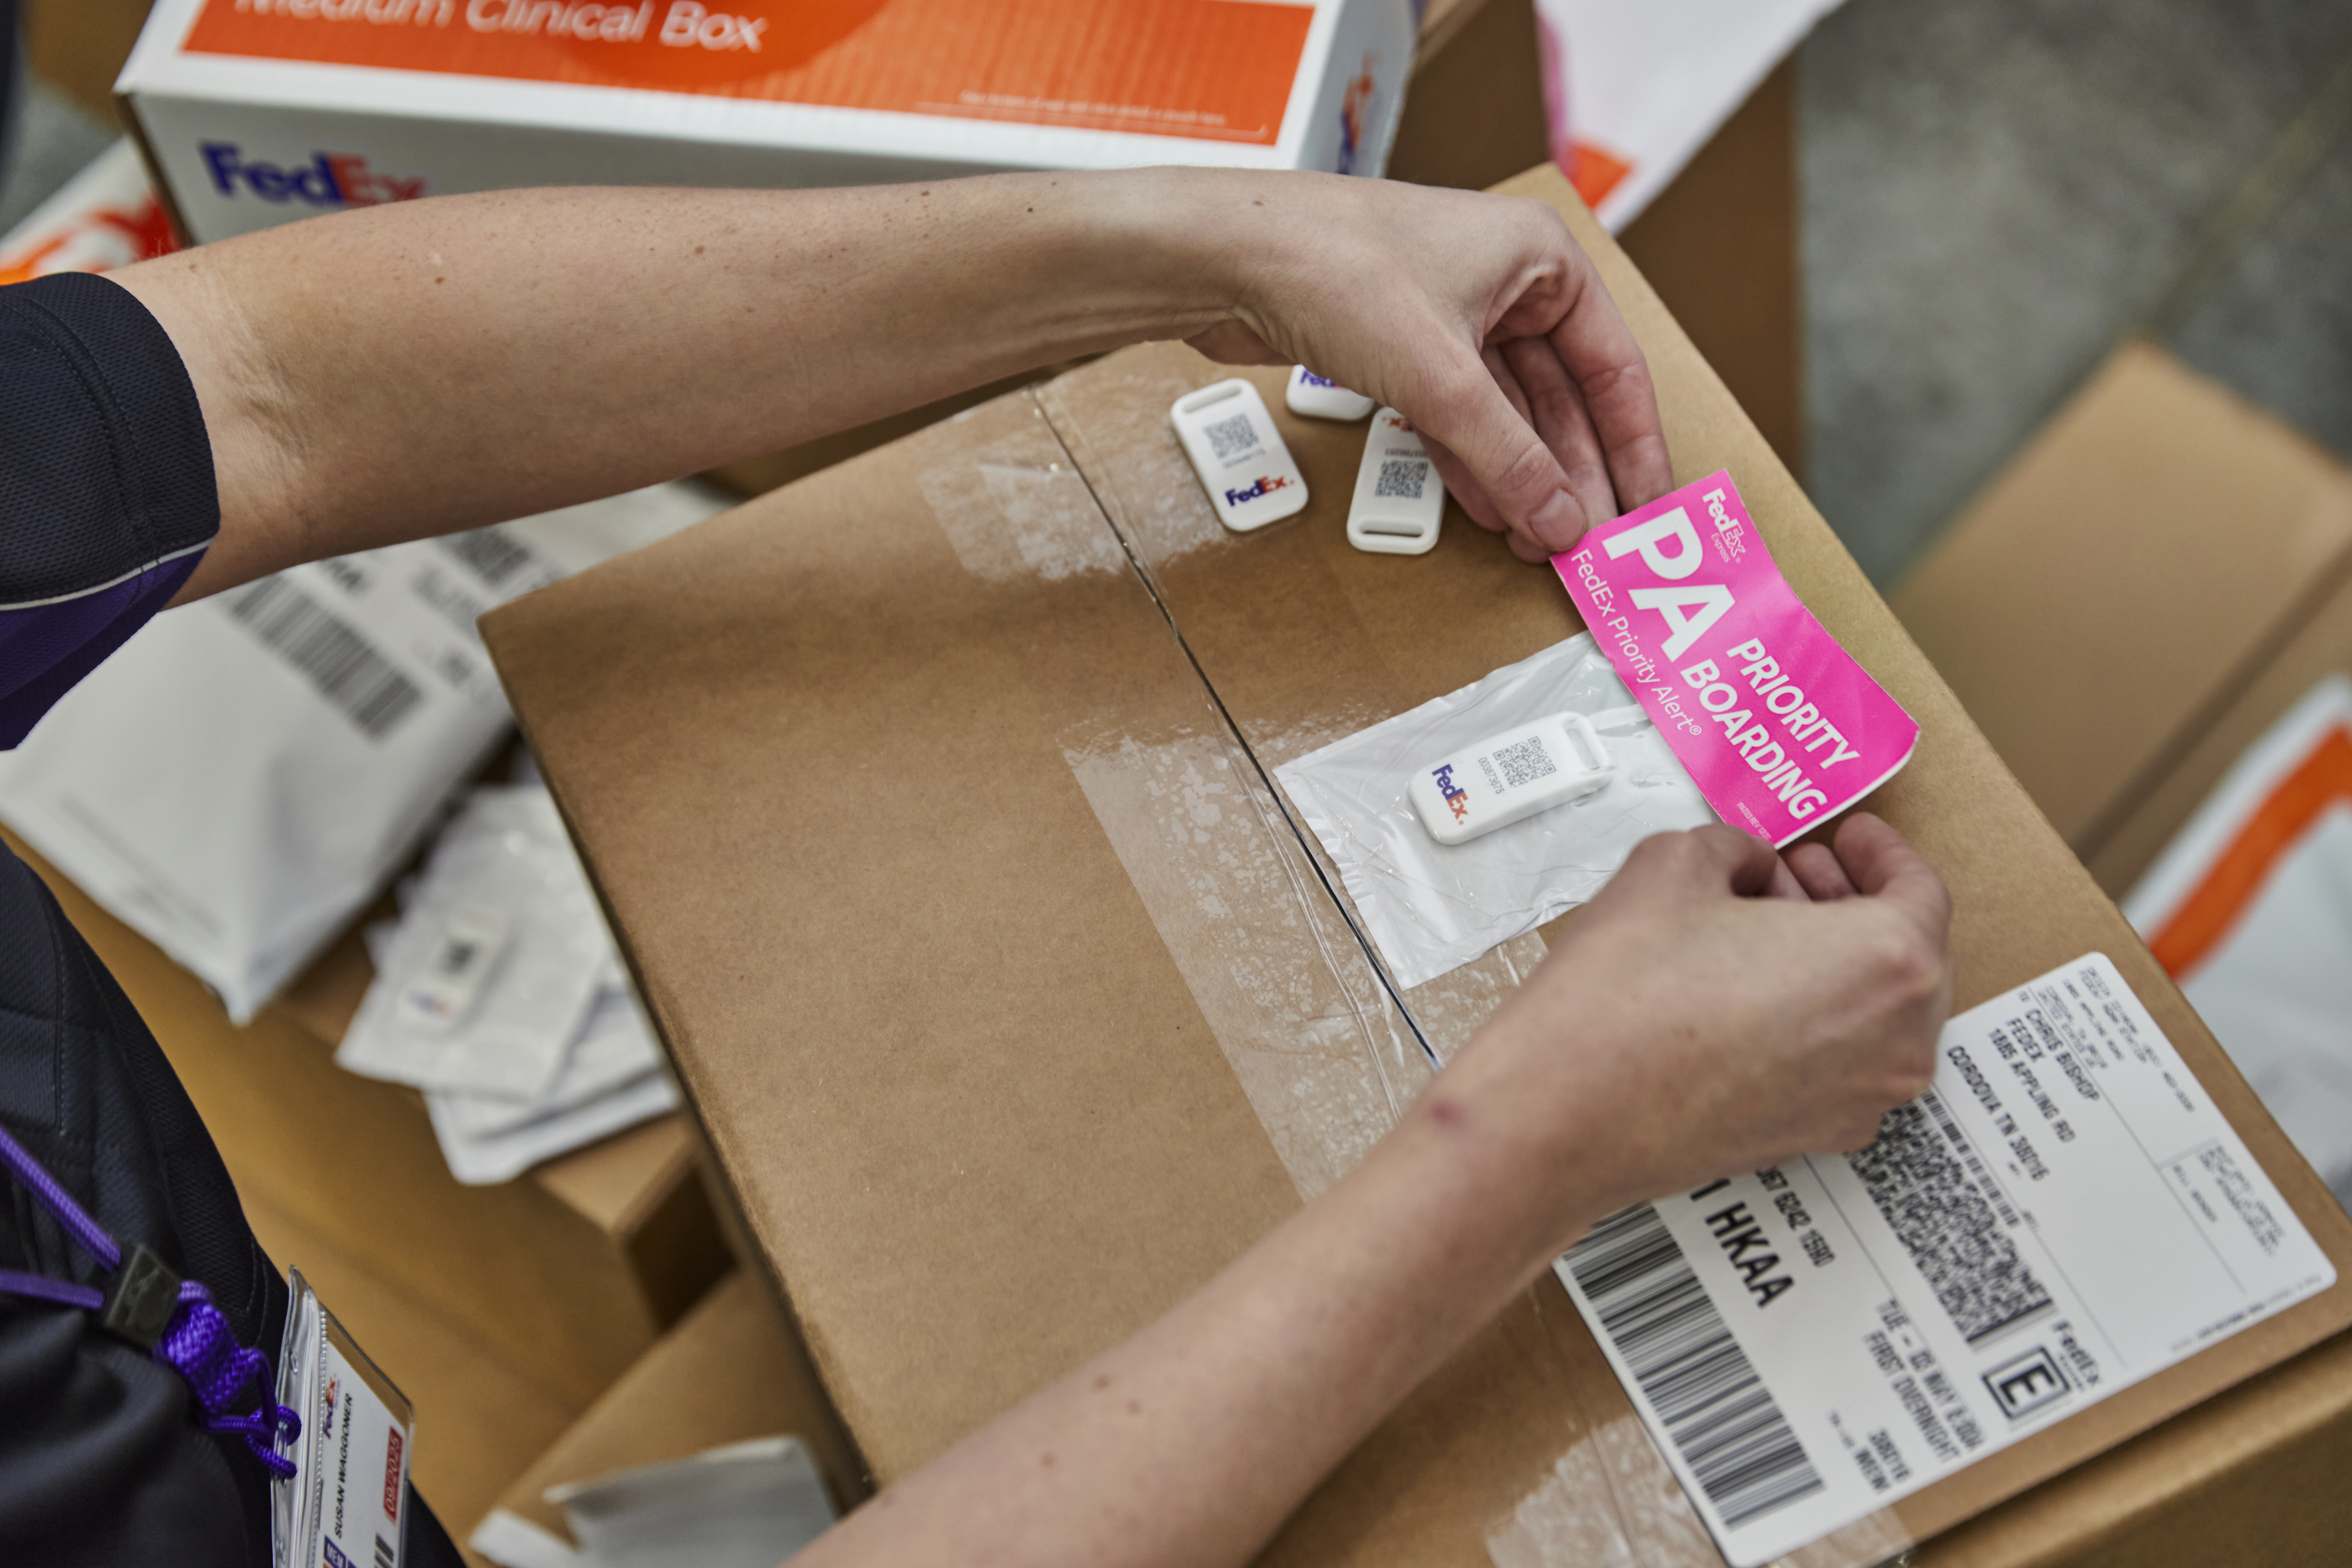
[1432,908]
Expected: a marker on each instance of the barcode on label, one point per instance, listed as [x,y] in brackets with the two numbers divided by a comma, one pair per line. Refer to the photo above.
[492,554]
[1934,1192]
[368,689]
[385,1557]
[1231,437]
[1524,763]
[1716,1411]
[1403,477]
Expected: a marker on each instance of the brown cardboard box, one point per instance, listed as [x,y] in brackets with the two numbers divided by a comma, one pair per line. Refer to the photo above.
[642,1189]
[1742,304]
[2156,499]
[1473,108]
[987,956]
[730,1371]
[2155,502]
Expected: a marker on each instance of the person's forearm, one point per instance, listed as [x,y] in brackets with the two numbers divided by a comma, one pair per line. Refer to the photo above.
[1191,1442]
[419,367]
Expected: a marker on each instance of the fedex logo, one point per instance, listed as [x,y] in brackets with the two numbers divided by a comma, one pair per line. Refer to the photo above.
[1264,486]
[1456,795]
[1311,379]
[327,180]
[1730,532]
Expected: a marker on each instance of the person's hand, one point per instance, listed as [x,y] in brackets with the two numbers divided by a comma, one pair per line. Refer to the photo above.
[1715,1010]
[1479,319]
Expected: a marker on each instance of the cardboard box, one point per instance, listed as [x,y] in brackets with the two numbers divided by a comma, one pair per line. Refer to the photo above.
[2136,598]
[1742,305]
[502,1312]
[1055,1005]
[2157,499]
[1474,111]
[731,1371]
[78,46]
[253,111]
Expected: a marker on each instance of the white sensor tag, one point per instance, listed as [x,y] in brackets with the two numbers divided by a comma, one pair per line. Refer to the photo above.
[471,946]
[1509,777]
[1399,501]
[1312,396]
[1239,455]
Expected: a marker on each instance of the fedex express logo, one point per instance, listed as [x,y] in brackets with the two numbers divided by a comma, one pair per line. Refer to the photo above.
[327,180]
[1264,486]
[1457,798]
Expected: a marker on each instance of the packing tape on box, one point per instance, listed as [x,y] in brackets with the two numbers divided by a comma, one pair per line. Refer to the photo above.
[1327,1061]
[1327,1055]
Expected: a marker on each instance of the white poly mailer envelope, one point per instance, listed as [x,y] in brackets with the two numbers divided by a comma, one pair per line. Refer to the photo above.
[242,776]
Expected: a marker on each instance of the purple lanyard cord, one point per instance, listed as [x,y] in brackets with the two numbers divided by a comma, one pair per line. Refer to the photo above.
[174,1319]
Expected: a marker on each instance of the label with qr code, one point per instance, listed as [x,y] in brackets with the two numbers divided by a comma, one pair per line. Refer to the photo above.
[2063,1213]
[1399,499]
[1232,444]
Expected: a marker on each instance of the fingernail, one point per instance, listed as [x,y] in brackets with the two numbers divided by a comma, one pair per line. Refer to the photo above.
[1559,522]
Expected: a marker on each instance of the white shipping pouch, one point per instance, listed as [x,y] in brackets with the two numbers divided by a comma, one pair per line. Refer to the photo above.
[2250,907]
[481,1156]
[241,777]
[503,864]
[611,1079]
[1431,908]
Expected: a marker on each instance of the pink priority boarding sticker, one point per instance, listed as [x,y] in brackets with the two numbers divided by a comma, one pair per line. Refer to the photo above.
[1779,726]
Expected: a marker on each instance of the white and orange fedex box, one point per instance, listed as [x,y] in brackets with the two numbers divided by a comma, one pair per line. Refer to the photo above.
[254,112]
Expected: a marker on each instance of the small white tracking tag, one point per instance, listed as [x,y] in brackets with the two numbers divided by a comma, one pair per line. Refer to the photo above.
[1239,455]
[1312,396]
[1400,499]
[342,1507]
[1509,777]
[462,960]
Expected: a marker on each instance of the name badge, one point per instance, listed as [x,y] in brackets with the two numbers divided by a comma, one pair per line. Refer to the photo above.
[344,1505]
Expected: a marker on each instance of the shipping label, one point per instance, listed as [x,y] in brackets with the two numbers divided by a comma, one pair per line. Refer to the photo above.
[2063,1213]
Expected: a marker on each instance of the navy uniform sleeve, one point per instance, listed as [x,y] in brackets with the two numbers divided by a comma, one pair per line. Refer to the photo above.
[107,499]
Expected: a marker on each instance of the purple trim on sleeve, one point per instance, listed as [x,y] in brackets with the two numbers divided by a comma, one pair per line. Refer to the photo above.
[46,649]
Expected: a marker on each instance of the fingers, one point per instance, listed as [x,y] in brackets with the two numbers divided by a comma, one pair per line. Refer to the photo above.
[1455,475]
[1496,366]
[1555,408]
[1601,357]
[1882,865]
[1743,862]
[1815,868]
[1786,886]
[1472,413]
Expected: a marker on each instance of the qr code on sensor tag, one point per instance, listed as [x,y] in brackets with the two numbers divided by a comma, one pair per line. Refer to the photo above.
[1403,477]
[1524,763]
[1230,438]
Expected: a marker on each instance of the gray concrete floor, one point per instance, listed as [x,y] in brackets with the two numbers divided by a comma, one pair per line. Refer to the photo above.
[1997,191]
